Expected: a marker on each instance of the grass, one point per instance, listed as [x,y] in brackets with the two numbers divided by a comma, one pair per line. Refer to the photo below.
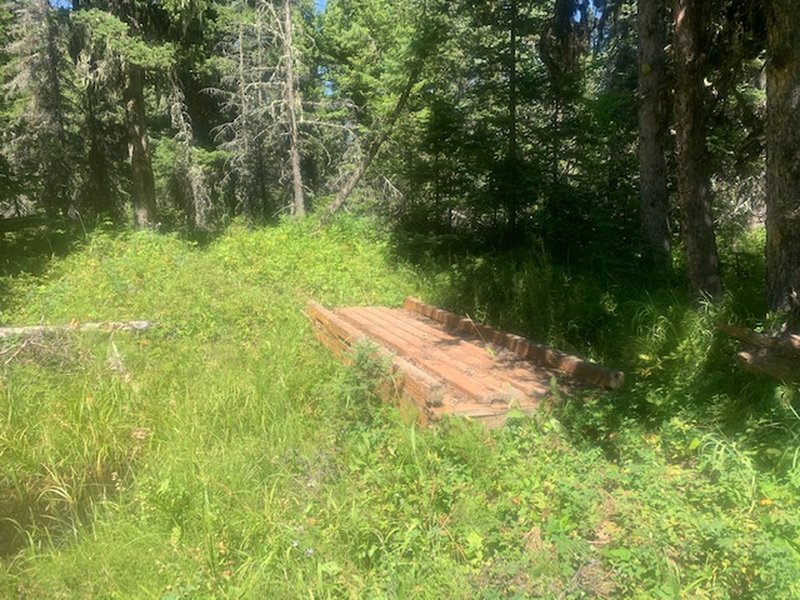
[226,454]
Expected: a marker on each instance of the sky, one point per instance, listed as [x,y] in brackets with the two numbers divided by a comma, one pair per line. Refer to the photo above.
[321,5]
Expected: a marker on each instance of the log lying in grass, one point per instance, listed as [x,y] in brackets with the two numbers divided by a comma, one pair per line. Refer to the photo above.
[774,356]
[764,362]
[29,330]
[580,369]
[410,382]
[786,342]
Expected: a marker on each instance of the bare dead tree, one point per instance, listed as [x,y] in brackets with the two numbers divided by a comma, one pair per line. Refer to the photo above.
[262,94]
[192,178]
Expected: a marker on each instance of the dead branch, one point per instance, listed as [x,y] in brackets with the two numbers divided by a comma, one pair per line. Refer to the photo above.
[30,330]
[372,152]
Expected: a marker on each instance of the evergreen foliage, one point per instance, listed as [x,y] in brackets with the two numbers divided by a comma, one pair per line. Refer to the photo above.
[558,168]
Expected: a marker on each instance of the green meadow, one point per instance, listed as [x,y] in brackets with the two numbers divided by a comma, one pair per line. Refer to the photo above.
[226,454]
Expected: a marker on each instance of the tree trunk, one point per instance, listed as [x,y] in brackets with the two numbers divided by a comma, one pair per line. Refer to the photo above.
[144,188]
[100,186]
[694,185]
[512,82]
[653,131]
[783,155]
[299,204]
[510,188]
[57,198]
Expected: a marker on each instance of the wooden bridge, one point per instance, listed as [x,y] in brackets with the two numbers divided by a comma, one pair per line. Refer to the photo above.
[443,363]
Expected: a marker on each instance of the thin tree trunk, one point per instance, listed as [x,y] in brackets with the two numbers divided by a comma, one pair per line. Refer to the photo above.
[100,188]
[58,198]
[694,185]
[299,205]
[244,185]
[144,188]
[510,188]
[512,83]
[783,156]
[356,176]
[653,110]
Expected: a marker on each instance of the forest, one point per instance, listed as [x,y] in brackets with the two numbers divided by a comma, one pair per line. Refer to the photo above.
[615,178]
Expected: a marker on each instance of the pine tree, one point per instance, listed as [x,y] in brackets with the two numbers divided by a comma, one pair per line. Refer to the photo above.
[694,184]
[41,88]
[783,158]
[653,129]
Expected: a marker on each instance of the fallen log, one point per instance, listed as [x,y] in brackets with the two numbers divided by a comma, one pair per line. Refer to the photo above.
[30,330]
[580,369]
[787,342]
[777,357]
[765,362]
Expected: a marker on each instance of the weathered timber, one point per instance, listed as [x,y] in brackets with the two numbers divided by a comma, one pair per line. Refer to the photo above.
[508,367]
[481,391]
[447,365]
[773,356]
[788,342]
[29,330]
[764,361]
[411,382]
[578,368]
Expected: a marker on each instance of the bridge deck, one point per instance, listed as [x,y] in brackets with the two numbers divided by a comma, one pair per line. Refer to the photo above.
[445,364]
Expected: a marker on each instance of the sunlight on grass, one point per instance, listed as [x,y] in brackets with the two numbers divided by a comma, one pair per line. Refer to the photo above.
[226,454]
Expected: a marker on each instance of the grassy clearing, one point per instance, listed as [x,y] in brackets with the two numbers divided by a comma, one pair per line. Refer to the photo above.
[227,455]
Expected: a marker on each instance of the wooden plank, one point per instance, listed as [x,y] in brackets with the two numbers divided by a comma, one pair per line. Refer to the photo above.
[428,339]
[341,337]
[448,373]
[521,376]
[446,380]
[408,344]
[580,369]
[452,375]
[490,411]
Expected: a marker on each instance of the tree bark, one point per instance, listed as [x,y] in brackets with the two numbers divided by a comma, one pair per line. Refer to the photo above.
[144,188]
[783,155]
[299,204]
[100,186]
[512,82]
[57,197]
[694,185]
[653,131]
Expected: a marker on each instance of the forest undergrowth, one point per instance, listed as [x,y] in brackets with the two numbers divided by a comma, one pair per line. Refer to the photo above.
[226,454]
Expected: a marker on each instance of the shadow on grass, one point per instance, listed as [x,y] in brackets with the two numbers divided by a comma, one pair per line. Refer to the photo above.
[29,251]
[626,316]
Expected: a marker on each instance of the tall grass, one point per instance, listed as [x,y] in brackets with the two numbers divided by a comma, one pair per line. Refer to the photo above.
[226,454]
